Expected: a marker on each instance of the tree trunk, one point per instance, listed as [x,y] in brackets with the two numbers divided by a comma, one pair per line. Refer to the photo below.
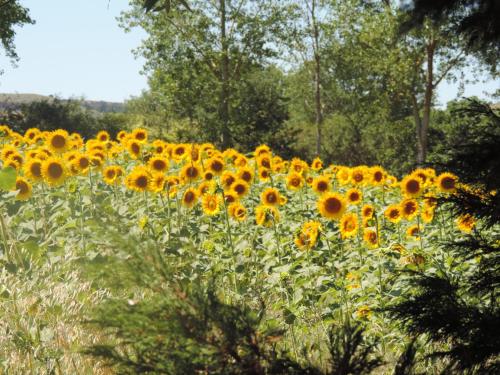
[225,92]
[317,80]
[418,129]
[429,91]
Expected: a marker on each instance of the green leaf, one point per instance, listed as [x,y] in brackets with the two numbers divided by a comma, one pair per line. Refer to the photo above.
[7,178]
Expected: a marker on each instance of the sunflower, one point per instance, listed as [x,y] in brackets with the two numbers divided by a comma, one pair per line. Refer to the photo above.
[358,175]
[240,188]
[316,164]
[430,201]
[237,211]
[377,175]
[215,165]
[262,149]
[294,181]
[211,204]
[413,231]
[427,214]
[412,186]
[31,135]
[59,141]
[332,205]
[12,163]
[321,185]
[241,161]
[206,187]
[246,174]
[466,223]
[53,171]
[134,148]
[447,182]
[343,175]
[227,179]
[266,215]
[307,237]
[138,179]
[140,134]
[33,169]
[7,151]
[109,175]
[354,196]
[179,152]
[208,176]
[103,136]
[158,164]
[264,174]
[264,161]
[299,166]
[230,197]
[393,213]
[270,197]
[370,237]
[409,208]
[349,225]
[363,312]
[190,172]
[24,187]
[82,163]
[190,197]
[367,211]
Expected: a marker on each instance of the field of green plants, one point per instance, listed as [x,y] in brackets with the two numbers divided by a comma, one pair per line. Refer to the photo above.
[133,255]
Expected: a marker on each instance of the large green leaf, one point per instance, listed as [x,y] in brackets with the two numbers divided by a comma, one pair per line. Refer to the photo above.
[7,178]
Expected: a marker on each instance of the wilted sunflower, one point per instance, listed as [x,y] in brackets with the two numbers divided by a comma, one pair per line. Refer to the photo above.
[58,141]
[240,188]
[211,204]
[138,179]
[158,164]
[370,237]
[393,213]
[266,215]
[33,169]
[466,223]
[321,184]
[332,205]
[409,208]
[447,182]
[363,312]
[348,225]
[24,187]
[270,197]
[190,197]
[354,196]
[412,186]
[53,171]
[294,181]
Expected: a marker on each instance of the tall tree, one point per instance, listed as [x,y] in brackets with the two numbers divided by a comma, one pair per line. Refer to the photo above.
[12,14]
[221,41]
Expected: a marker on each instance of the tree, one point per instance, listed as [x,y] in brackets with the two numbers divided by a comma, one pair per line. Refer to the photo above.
[11,14]
[218,42]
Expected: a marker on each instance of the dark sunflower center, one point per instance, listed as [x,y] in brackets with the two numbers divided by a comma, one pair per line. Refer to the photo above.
[159,165]
[217,166]
[413,186]
[448,183]
[22,187]
[58,141]
[55,170]
[332,205]
[142,182]
[377,176]
[35,170]
[322,185]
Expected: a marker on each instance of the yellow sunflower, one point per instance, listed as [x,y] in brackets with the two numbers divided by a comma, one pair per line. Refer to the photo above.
[103,136]
[264,174]
[348,225]
[211,204]
[190,198]
[294,181]
[138,179]
[206,187]
[59,141]
[158,164]
[246,174]
[316,164]
[109,175]
[411,186]
[266,215]
[409,208]
[237,211]
[190,172]
[354,196]
[332,205]
[24,187]
[240,188]
[447,182]
[270,197]
[427,214]
[140,135]
[321,185]
[413,231]
[53,171]
[393,213]
[215,165]
[33,169]
[134,148]
[377,175]
[466,223]
[370,237]
[358,175]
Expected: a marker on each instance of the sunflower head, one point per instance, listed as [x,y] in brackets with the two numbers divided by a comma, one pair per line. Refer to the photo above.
[138,179]
[237,211]
[33,169]
[409,208]
[246,174]
[54,171]
[321,185]
[358,175]
[215,165]
[270,197]
[466,223]
[316,164]
[447,182]
[354,196]
[158,164]
[140,134]
[190,172]
[294,181]
[412,186]
[227,179]
[211,204]
[413,231]
[370,237]
[377,175]
[240,188]
[348,225]
[24,189]
[343,175]
[58,141]
[266,215]
[393,213]
[190,197]
[332,205]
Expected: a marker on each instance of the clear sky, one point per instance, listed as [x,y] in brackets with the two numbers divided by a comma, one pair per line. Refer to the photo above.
[77,49]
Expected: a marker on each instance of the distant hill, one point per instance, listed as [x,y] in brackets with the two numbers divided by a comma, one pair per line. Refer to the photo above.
[13,101]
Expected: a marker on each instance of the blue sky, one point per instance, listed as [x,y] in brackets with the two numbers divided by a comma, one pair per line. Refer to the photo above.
[77,49]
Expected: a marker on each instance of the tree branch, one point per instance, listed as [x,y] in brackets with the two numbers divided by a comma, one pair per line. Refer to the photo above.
[448,68]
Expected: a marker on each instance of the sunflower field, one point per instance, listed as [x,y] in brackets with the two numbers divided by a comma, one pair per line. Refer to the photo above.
[307,245]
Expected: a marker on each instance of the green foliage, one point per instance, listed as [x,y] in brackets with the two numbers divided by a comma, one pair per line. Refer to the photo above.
[12,14]
[7,178]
